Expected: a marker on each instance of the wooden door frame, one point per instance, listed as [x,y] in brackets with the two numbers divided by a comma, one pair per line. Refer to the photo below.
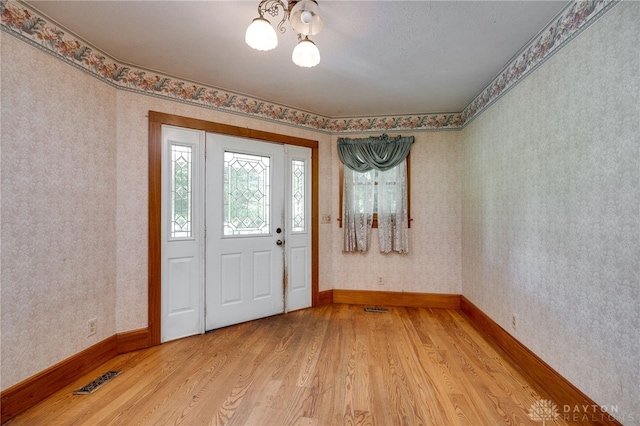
[156,120]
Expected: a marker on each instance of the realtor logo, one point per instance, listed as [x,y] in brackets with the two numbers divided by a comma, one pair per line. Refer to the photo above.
[543,410]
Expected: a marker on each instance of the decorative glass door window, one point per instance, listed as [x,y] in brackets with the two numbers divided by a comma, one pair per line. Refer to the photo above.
[246,194]
[297,196]
[181,191]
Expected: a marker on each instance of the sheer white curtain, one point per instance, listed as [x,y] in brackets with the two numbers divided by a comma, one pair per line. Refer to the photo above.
[361,192]
[393,218]
[358,197]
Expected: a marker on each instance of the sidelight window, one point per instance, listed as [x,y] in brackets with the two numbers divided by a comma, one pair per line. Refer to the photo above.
[181,191]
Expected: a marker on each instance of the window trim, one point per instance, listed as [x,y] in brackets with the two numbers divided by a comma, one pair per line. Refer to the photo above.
[374,224]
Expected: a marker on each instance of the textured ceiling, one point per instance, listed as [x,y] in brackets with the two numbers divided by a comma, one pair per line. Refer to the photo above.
[378,58]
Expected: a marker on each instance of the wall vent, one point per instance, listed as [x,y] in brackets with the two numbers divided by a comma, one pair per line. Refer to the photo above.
[375,309]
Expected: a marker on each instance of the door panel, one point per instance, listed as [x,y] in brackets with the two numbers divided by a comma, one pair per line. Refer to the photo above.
[181,296]
[262,261]
[298,268]
[231,275]
[244,262]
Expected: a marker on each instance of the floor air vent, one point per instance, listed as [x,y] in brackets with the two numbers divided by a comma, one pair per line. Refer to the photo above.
[96,384]
[375,309]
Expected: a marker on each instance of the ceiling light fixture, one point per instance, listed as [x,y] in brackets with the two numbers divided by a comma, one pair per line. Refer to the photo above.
[305,19]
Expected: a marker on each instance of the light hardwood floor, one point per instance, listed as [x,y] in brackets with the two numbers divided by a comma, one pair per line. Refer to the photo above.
[333,365]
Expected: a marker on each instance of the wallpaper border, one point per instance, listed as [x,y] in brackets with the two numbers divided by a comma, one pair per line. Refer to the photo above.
[568,24]
[27,24]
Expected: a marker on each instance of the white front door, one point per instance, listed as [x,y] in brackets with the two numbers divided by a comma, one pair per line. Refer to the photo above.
[245,230]
[236,230]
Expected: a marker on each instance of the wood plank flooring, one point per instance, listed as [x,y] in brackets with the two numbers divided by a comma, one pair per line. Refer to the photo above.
[333,365]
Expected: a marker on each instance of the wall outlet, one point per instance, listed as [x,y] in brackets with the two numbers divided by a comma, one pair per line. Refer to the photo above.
[380,280]
[326,218]
[92,326]
[514,321]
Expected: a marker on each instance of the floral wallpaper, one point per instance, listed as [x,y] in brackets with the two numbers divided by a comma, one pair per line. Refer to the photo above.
[20,20]
[58,228]
[531,209]
[551,201]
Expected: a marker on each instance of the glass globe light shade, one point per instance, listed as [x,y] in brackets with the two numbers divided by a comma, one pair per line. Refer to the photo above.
[306,54]
[305,17]
[260,35]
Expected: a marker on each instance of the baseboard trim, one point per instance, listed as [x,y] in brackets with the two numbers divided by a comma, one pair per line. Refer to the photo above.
[394,298]
[325,297]
[24,395]
[559,390]
[134,340]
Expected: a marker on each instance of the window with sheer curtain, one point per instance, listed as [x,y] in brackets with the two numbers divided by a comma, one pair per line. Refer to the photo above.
[375,187]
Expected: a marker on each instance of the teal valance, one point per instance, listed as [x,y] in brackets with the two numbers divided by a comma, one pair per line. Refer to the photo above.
[375,152]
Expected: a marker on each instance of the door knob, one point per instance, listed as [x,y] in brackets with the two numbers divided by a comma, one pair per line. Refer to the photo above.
[279,242]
